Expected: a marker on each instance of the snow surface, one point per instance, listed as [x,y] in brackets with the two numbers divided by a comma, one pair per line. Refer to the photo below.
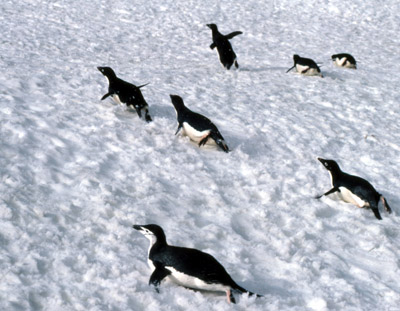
[77,173]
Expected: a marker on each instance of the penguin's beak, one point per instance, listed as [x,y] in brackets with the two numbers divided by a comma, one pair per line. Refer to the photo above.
[137,227]
[321,160]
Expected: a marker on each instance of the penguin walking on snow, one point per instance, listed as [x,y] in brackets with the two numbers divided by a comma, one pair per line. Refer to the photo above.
[344,60]
[199,128]
[125,92]
[353,189]
[305,66]
[226,54]
[187,267]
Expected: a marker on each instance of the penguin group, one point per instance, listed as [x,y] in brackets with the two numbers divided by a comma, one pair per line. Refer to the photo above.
[192,268]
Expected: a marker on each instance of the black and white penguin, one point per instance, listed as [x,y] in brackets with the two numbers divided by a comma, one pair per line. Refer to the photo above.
[353,189]
[187,267]
[125,93]
[305,66]
[344,60]
[199,128]
[226,54]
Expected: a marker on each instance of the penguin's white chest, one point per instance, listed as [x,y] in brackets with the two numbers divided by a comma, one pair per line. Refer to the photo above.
[116,99]
[349,197]
[194,134]
[193,282]
[342,62]
[307,71]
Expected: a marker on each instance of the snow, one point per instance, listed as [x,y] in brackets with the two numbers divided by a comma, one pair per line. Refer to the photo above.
[76,172]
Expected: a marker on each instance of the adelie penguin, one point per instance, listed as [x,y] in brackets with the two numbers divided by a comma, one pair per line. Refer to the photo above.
[344,60]
[199,128]
[187,267]
[125,92]
[305,66]
[225,51]
[353,189]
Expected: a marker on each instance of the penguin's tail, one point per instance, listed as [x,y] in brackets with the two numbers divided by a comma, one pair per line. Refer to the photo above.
[241,290]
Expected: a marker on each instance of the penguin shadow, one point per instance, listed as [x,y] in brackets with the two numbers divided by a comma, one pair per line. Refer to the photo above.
[162,111]
[246,68]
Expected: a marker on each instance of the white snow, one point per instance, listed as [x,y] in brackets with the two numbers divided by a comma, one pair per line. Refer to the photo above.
[76,173]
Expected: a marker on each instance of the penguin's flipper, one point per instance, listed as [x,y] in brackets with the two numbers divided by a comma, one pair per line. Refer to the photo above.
[213,46]
[233,34]
[290,68]
[305,71]
[204,140]
[105,96]
[386,205]
[334,189]
[158,275]
[179,128]
[142,85]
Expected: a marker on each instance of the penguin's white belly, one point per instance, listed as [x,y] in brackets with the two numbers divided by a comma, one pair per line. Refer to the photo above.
[194,134]
[349,197]
[193,282]
[116,99]
[309,72]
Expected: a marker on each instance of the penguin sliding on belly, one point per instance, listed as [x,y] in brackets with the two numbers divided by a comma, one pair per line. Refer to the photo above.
[124,92]
[199,128]
[305,66]
[344,60]
[187,267]
[353,189]
[225,51]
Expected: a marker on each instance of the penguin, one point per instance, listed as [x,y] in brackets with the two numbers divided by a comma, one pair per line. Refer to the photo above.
[226,54]
[199,128]
[353,189]
[124,92]
[187,267]
[344,60]
[305,66]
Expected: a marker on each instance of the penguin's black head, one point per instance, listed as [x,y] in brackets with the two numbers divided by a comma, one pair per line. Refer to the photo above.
[107,71]
[334,57]
[330,165]
[177,101]
[296,57]
[212,26]
[151,230]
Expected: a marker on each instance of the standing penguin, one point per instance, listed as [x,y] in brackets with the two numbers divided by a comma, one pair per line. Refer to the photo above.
[187,267]
[305,66]
[353,189]
[124,92]
[344,60]
[199,128]
[226,54]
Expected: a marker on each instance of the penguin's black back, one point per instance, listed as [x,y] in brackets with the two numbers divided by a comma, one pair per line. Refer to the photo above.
[192,262]
[305,62]
[349,57]
[357,185]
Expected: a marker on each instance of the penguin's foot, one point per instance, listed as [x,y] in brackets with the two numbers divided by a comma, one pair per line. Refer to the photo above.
[229,297]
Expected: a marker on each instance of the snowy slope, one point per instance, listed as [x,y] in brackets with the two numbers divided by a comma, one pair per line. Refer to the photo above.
[77,173]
